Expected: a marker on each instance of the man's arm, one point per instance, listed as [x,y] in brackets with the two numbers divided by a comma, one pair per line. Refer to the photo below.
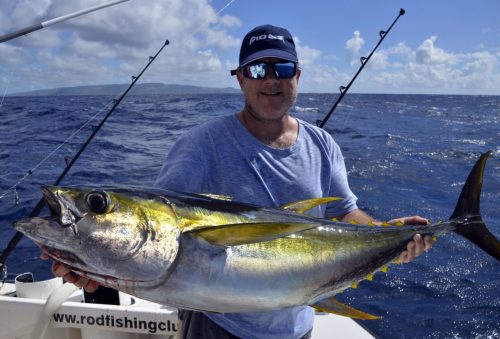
[414,248]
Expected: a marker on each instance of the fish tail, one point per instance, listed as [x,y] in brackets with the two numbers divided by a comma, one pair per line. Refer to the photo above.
[467,216]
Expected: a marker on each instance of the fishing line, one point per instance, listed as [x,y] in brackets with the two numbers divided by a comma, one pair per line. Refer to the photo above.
[32,170]
[10,75]
[54,151]
[41,203]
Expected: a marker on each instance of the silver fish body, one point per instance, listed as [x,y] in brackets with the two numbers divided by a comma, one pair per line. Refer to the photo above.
[206,253]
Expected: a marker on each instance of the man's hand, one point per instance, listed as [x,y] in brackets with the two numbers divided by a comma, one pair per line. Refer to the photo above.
[418,245]
[414,248]
[60,270]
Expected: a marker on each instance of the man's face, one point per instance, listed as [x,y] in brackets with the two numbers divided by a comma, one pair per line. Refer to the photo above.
[269,99]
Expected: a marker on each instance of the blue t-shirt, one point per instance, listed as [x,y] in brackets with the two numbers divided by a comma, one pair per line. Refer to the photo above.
[223,157]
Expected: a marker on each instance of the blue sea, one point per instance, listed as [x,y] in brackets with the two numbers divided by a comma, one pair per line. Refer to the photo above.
[405,155]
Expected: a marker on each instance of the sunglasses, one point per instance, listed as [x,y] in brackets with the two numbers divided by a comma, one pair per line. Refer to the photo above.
[259,70]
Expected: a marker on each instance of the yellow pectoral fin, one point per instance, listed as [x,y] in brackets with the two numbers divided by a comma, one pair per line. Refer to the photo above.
[305,205]
[332,305]
[241,234]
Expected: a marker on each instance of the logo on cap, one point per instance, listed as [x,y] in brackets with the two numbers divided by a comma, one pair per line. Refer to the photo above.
[265,36]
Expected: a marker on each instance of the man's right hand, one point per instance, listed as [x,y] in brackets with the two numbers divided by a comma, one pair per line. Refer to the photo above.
[61,270]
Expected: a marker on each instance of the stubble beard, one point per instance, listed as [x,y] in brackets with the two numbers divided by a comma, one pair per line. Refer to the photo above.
[262,118]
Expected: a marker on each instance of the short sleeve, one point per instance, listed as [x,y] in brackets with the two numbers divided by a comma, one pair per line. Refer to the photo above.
[183,169]
[339,187]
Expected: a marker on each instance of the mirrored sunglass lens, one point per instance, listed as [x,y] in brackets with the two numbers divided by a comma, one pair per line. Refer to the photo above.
[257,71]
[285,70]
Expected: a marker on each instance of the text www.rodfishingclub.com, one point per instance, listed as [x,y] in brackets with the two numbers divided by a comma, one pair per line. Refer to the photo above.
[110,321]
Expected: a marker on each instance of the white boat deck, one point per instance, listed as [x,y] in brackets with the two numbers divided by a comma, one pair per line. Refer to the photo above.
[137,319]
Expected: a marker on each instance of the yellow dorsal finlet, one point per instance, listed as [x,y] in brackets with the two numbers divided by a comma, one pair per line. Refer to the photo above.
[302,206]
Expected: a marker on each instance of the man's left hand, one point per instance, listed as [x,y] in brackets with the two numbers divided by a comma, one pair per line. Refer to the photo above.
[419,244]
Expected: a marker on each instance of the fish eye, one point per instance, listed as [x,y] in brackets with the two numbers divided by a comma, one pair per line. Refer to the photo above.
[97,201]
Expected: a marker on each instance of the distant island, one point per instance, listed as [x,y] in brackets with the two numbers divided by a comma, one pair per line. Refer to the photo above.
[138,89]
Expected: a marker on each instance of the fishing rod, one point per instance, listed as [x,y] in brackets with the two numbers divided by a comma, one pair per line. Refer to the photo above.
[364,61]
[41,204]
[47,23]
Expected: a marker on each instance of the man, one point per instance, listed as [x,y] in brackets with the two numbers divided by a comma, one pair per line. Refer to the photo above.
[262,156]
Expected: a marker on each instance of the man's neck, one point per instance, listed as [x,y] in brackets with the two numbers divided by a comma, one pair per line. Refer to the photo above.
[280,133]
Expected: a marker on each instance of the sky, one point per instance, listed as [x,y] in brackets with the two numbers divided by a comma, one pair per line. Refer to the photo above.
[437,47]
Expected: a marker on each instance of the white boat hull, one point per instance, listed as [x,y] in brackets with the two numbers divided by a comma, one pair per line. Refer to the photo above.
[135,318]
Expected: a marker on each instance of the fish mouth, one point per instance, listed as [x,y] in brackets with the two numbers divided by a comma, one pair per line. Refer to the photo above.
[50,199]
[61,256]
[62,208]
[75,265]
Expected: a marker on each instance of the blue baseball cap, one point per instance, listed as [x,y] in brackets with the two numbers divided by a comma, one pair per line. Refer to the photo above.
[267,41]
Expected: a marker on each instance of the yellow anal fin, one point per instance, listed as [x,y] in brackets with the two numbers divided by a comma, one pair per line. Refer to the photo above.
[216,196]
[249,233]
[332,305]
[305,205]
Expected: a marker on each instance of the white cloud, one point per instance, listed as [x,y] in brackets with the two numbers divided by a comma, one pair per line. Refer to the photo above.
[221,39]
[400,48]
[321,78]
[430,69]
[400,69]
[307,55]
[24,12]
[354,44]
[112,44]
[379,61]
[427,53]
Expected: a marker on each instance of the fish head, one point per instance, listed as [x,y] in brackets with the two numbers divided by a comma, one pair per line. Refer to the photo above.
[111,235]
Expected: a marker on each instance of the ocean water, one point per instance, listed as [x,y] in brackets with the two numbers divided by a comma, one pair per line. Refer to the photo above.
[405,155]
